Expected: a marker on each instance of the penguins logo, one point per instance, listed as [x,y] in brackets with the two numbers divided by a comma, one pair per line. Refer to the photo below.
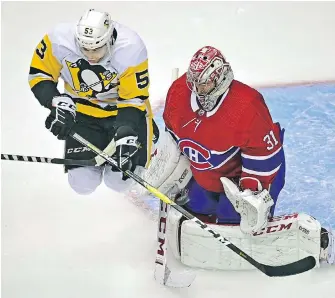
[90,80]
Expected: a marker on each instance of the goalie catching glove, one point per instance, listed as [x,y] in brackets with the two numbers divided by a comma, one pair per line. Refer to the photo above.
[254,207]
[62,116]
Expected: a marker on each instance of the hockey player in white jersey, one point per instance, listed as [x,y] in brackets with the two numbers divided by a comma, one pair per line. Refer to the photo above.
[104,66]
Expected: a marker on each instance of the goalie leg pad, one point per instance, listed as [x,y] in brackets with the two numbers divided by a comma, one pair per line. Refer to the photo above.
[173,232]
[327,254]
[168,167]
[286,239]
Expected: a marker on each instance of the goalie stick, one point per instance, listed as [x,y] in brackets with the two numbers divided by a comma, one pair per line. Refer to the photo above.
[163,274]
[297,267]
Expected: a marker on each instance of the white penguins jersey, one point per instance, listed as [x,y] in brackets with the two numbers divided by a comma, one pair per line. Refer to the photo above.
[120,79]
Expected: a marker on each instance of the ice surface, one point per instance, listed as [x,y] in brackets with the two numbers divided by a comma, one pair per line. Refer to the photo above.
[59,244]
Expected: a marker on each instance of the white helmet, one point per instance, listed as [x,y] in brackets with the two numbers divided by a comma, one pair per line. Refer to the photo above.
[94,29]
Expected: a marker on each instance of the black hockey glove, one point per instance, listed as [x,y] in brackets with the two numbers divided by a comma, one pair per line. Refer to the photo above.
[62,116]
[126,154]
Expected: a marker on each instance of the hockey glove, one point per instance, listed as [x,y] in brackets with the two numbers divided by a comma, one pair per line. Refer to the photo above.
[126,154]
[62,116]
[254,207]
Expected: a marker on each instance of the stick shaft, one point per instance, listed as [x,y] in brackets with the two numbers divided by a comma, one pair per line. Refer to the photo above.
[39,159]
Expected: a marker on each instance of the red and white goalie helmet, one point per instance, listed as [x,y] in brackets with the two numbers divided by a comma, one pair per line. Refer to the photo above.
[209,75]
[94,30]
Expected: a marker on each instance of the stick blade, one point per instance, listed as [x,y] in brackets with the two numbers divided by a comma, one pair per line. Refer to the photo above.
[173,279]
[297,267]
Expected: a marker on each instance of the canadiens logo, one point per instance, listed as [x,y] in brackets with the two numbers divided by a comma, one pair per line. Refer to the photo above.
[198,155]
[90,80]
[202,158]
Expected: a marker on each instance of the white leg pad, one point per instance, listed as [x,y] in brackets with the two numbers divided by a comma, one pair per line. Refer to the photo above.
[85,180]
[285,239]
[172,232]
[168,167]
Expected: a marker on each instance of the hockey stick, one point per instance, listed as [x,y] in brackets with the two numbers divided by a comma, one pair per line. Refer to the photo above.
[297,267]
[163,273]
[59,161]
[94,162]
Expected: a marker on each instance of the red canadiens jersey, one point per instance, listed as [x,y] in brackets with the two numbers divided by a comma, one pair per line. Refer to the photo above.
[236,139]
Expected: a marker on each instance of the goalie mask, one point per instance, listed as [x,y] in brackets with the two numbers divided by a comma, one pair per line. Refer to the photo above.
[94,34]
[209,75]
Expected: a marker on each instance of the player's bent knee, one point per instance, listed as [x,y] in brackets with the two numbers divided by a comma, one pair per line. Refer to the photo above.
[113,180]
[85,180]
